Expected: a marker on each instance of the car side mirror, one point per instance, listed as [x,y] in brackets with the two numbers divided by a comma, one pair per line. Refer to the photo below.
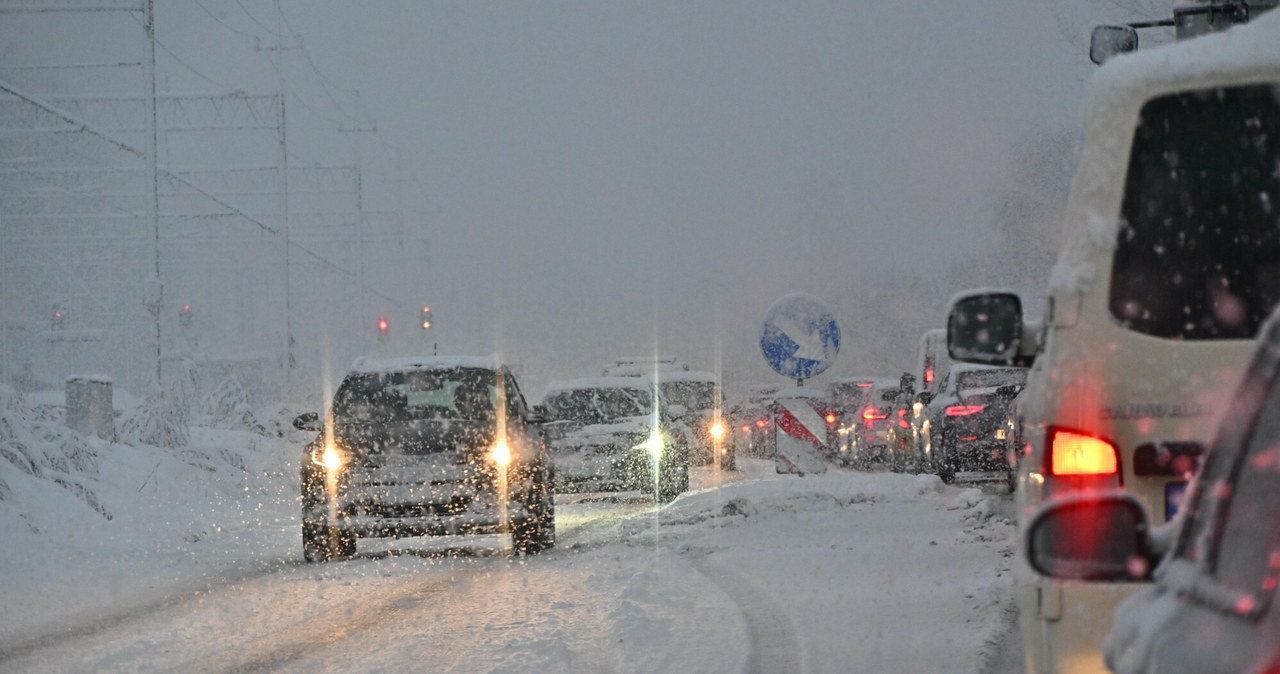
[985,328]
[309,421]
[1096,537]
[1108,41]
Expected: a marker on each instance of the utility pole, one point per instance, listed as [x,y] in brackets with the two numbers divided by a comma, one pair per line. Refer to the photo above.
[155,297]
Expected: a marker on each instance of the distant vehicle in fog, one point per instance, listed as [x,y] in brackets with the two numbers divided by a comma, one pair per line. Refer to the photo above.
[869,421]
[422,447]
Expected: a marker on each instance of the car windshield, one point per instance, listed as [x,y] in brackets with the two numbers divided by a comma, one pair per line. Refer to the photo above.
[1198,255]
[454,393]
[693,395]
[599,405]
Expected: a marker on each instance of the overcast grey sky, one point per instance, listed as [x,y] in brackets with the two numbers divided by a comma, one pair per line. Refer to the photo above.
[595,179]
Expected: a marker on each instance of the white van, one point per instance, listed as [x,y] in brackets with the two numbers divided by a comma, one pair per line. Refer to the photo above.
[1170,262]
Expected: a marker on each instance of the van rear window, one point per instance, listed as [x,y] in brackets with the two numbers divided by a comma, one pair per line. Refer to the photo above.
[1198,255]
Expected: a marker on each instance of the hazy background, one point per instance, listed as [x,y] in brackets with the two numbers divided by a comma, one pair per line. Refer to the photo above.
[561,182]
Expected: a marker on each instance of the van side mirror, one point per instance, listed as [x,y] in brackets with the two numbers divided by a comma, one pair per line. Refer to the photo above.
[1108,41]
[985,328]
[309,421]
[1096,537]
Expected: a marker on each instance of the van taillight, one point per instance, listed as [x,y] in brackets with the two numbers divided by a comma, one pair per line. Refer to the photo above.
[963,410]
[1077,454]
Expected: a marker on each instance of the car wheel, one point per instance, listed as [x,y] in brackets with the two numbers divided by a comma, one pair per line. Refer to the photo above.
[537,533]
[673,483]
[947,471]
[323,543]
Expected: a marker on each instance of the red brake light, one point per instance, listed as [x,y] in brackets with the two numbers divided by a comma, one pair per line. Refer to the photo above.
[963,410]
[864,384]
[831,418]
[746,428]
[1076,454]
[761,423]
[871,414]
[928,376]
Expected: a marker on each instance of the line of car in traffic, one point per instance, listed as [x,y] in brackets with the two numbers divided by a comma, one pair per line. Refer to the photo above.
[439,446]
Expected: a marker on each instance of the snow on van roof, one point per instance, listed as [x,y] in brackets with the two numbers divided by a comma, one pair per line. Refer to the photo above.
[423,363]
[1112,101]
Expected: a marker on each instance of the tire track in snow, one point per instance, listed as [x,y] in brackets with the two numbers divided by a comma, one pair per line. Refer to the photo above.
[774,643]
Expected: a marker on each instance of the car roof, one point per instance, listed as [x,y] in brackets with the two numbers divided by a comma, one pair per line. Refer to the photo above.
[409,363]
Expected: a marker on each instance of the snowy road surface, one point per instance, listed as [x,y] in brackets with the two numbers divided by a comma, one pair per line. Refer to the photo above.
[750,572]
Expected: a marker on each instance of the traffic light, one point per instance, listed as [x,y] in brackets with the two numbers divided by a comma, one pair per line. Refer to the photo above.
[426,318]
[383,329]
[58,320]
[184,317]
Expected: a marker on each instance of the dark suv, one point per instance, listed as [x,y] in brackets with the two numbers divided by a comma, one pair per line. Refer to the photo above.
[437,446]
[971,426]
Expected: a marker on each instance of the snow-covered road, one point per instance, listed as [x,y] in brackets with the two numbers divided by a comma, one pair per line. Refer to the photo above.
[750,572]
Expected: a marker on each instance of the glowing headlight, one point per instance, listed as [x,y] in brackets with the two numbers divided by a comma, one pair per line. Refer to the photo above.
[501,454]
[717,431]
[330,458]
[653,445]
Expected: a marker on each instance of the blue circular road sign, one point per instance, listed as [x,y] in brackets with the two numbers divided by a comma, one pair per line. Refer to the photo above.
[800,337]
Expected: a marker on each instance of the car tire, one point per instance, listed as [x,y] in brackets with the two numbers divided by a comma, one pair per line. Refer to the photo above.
[537,533]
[323,543]
[947,471]
[673,483]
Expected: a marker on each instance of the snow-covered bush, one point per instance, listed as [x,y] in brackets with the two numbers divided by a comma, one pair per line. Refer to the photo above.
[34,441]
[161,421]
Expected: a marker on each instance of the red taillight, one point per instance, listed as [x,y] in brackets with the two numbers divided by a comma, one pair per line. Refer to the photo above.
[746,428]
[872,414]
[1077,454]
[831,418]
[963,410]
[761,423]
[902,419]
[928,376]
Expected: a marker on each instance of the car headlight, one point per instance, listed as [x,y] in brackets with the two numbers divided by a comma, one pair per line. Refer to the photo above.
[501,454]
[329,457]
[653,445]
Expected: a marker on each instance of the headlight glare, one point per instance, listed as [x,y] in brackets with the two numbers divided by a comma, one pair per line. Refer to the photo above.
[653,445]
[501,454]
[330,457]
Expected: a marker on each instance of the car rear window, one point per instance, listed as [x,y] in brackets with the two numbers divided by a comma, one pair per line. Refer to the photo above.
[1198,254]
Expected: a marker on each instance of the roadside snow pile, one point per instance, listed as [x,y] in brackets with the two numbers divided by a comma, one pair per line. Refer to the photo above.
[124,517]
[34,443]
